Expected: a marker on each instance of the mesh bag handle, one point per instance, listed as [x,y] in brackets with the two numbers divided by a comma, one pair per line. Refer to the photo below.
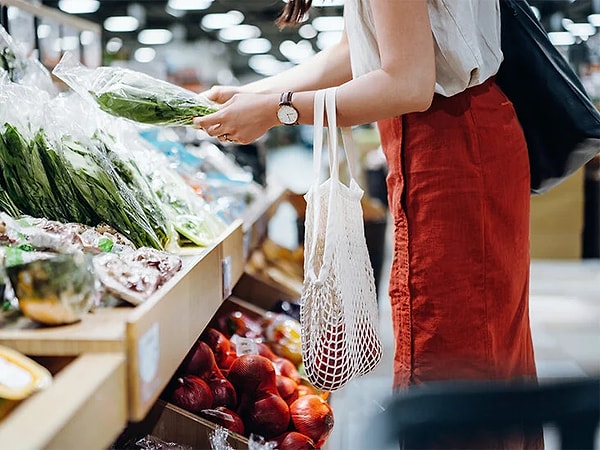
[324,104]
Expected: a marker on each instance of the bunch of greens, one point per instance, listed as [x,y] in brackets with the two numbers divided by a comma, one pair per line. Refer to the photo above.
[9,62]
[150,107]
[75,182]
[133,95]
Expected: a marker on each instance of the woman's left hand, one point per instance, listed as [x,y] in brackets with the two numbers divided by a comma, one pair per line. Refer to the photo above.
[242,119]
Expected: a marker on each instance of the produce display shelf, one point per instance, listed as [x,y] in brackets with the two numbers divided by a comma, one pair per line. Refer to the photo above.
[169,423]
[156,335]
[84,407]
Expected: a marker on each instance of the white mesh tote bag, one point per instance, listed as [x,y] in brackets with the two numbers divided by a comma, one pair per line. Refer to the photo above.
[338,309]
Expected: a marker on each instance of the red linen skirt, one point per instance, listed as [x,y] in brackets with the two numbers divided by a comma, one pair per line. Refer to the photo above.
[459,195]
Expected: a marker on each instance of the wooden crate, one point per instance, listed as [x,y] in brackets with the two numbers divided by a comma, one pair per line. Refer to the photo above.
[173,424]
[154,336]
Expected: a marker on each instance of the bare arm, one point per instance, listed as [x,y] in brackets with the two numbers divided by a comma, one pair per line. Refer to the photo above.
[404,83]
[330,67]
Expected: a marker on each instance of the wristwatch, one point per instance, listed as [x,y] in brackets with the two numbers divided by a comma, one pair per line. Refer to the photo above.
[287,114]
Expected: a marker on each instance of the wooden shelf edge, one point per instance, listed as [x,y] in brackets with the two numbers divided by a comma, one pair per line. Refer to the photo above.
[89,391]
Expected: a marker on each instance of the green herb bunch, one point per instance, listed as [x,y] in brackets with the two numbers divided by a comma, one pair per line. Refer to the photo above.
[145,99]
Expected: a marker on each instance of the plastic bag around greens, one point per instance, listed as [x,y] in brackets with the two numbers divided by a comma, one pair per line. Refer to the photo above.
[21,68]
[133,95]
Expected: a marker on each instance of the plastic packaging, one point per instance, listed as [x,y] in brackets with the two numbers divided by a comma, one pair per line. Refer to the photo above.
[133,95]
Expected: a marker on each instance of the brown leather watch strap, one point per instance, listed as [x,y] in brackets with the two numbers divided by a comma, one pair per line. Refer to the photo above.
[286,98]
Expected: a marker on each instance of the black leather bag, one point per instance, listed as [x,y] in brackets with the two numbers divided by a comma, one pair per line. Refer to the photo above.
[560,122]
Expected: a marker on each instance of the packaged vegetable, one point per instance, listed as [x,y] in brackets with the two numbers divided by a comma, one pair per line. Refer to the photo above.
[133,95]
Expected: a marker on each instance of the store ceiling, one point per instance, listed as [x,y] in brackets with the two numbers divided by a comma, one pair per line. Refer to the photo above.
[262,13]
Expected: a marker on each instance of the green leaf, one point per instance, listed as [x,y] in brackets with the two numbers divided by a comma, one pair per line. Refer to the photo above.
[105,244]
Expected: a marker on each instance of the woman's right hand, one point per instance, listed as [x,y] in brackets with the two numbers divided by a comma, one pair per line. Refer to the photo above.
[220,94]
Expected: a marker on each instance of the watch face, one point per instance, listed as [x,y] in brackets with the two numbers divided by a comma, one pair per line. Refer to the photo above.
[287,114]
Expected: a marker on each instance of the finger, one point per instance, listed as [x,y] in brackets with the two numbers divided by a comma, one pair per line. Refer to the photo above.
[208,120]
[213,94]
[215,130]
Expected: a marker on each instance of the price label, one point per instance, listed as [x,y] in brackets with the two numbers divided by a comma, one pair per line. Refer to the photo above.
[149,357]
[244,346]
[227,277]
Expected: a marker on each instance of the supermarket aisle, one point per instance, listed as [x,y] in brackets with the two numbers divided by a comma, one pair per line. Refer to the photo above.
[564,312]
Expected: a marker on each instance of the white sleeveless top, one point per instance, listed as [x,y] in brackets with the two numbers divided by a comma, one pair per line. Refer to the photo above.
[466,35]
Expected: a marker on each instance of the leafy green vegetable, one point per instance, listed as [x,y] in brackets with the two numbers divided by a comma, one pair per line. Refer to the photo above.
[10,63]
[102,189]
[144,99]
[13,256]
[73,207]
[73,182]
[197,229]
[6,203]
[105,244]
[129,172]
[24,176]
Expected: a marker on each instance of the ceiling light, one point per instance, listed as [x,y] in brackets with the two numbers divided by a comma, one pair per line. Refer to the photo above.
[583,30]
[189,5]
[561,38]
[566,23]
[267,65]
[79,6]
[43,31]
[218,21]
[328,23]
[239,32]
[175,12]
[114,45]
[254,46]
[307,31]
[121,24]
[594,19]
[88,37]
[296,52]
[156,36]
[144,54]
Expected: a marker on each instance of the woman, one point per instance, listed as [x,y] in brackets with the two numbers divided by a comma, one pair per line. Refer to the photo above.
[458,173]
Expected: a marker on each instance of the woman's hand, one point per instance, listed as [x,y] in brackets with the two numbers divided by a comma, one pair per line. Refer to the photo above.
[243,118]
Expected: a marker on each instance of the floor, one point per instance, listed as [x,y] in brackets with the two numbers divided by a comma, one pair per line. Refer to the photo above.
[564,314]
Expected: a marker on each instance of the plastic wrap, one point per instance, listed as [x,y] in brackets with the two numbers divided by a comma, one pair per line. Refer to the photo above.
[133,95]
[21,68]
[153,443]
[61,161]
